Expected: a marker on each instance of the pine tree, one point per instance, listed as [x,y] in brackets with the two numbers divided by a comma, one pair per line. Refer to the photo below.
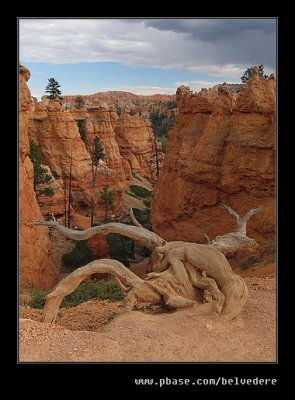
[79,102]
[53,89]
[97,153]
[249,71]
[107,199]
[41,175]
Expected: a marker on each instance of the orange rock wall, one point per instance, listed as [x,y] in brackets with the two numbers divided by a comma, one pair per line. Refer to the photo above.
[35,251]
[221,150]
[134,136]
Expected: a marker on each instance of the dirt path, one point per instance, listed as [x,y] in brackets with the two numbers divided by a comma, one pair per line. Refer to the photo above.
[83,334]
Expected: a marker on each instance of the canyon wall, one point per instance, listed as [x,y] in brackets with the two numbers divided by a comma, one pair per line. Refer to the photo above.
[221,150]
[125,101]
[134,136]
[57,134]
[35,252]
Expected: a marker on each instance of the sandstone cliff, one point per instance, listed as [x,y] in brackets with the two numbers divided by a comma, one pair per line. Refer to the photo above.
[57,134]
[135,139]
[36,265]
[221,150]
[130,102]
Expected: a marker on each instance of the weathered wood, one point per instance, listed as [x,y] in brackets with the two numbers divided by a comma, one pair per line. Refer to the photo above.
[181,271]
[145,237]
[230,243]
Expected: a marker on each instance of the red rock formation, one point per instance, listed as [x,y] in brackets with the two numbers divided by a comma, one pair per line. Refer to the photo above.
[221,150]
[125,101]
[56,132]
[36,265]
[135,139]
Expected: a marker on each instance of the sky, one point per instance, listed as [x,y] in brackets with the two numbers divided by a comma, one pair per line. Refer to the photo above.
[143,56]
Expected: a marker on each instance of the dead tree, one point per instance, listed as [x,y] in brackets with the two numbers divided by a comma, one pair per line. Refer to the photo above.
[181,271]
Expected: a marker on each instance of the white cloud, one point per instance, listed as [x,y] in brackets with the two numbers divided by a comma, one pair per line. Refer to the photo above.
[95,40]
[38,96]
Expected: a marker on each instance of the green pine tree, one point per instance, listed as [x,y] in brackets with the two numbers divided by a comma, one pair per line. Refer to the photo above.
[249,71]
[41,175]
[53,89]
[96,153]
[79,102]
[107,199]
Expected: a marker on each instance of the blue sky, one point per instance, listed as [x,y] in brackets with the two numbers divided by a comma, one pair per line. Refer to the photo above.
[143,56]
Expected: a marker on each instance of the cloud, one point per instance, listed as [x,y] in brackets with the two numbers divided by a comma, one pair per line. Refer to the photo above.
[38,96]
[213,29]
[220,47]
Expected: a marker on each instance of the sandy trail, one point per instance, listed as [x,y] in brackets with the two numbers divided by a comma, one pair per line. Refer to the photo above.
[83,333]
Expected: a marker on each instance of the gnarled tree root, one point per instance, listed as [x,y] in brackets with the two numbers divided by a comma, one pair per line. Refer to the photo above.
[136,287]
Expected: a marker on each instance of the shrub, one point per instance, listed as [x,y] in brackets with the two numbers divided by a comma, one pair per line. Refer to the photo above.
[161,123]
[120,248]
[93,290]
[86,291]
[147,203]
[140,191]
[81,124]
[143,217]
[37,298]
[80,255]
[47,192]
[171,105]
[79,102]
[41,175]
[251,261]
[249,71]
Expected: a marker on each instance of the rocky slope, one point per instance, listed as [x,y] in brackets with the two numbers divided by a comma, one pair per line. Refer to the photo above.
[221,150]
[36,265]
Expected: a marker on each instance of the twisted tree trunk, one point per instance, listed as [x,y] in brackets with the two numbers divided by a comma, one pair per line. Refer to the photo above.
[181,271]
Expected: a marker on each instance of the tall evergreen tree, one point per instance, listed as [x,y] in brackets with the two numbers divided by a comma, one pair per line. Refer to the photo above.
[41,175]
[97,153]
[107,199]
[53,89]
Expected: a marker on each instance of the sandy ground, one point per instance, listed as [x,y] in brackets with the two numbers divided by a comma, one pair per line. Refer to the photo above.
[92,332]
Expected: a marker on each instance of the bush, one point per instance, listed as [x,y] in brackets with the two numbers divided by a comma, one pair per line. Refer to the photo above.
[79,256]
[161,123]
[93,290]
[86,291]
[41,175]
[47,192]
[171,105]
[143,217]
[140,191]
[120,248]
[81,124]
[147,203]
[249,71]
[251,261]
[37,298]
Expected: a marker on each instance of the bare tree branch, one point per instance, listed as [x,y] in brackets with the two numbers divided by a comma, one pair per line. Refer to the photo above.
[241,222]
[232,242]
[207,239]
[133,219]
[145,237]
